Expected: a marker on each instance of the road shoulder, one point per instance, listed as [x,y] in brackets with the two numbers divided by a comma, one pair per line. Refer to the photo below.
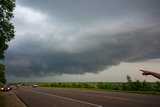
[11,100]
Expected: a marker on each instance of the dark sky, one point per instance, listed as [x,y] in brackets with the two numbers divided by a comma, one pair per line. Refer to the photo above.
[55,37]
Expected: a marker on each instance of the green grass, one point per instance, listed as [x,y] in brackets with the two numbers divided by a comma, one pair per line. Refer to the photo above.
[130,86]
[104,90]
[1,100]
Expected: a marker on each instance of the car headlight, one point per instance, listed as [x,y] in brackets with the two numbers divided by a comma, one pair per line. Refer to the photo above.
[8,88]
[2,88]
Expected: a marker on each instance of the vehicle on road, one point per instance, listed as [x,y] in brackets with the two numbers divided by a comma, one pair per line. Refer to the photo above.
[6,88]
[35,85]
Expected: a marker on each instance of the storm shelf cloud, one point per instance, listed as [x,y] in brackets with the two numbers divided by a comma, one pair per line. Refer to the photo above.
[55,37]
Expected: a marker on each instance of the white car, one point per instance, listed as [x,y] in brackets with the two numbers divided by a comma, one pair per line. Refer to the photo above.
[35,85]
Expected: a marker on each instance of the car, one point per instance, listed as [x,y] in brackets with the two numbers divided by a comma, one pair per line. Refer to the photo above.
[35,85]
[6,88]
[10,87]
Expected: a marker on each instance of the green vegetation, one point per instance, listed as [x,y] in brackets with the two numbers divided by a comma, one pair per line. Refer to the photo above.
[6,27]
[2,74]
[6,31]
[130,86]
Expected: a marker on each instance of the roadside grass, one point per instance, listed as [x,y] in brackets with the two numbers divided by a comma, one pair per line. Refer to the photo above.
[1,100]
[103,90]
[130,86]
[136,86]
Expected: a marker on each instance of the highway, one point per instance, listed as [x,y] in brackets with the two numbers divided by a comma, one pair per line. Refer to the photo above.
[47,97]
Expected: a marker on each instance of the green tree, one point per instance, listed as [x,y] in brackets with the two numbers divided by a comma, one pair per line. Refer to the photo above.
[2,74]
[6,28]
[130,83]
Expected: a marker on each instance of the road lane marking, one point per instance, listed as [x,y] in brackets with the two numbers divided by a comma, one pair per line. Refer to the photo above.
[118,98]
[132,100]
[66,98]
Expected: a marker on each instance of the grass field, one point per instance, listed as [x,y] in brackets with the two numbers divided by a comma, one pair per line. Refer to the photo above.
[130,86]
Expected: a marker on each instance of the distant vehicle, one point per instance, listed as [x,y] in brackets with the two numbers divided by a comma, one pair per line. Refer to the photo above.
[6,88]
[35,85]
[19,85]
[10,87]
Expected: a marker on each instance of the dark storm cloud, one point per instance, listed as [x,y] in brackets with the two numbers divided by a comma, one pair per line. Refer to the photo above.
[117,31]
[125,47]
[84,11]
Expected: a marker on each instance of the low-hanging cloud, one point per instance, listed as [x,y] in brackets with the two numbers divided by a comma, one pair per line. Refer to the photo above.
[88,53]
[54,49]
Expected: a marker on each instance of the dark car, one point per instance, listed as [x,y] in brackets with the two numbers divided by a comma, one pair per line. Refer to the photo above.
[6,88]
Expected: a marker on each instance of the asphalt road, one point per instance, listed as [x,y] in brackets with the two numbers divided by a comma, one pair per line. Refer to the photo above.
[46,97]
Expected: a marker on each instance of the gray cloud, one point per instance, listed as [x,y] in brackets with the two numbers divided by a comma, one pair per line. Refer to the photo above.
[108,51]
[45,47]
[85,11]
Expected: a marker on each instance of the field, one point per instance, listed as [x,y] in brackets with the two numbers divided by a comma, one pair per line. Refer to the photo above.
[130,86]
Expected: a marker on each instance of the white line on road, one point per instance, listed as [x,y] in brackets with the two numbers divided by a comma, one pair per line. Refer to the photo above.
[118,98]
[64,98]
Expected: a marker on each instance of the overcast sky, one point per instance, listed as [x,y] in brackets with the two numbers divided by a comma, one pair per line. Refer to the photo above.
[84,40]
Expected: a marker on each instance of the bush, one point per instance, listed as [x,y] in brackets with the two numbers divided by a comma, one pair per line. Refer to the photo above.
[157,86]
